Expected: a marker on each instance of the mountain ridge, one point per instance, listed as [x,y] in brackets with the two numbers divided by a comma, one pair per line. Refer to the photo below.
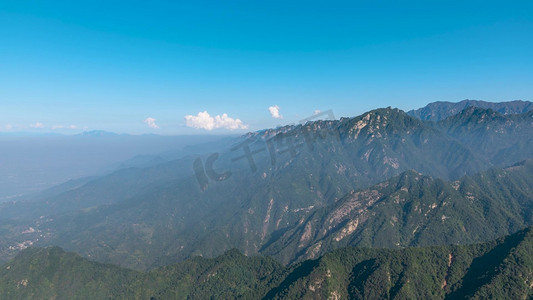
[440,110]
[502,268]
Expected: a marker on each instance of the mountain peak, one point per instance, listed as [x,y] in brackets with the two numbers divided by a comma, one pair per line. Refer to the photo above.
[379,122]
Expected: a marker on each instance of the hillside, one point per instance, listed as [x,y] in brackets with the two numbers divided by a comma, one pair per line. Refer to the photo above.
[498,270]
[415,210]
[503,139]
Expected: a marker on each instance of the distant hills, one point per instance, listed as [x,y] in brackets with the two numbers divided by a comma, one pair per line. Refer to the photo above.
[32,163]
[98,133]
[150,215]
[502,269]
[440,110]
[39,133]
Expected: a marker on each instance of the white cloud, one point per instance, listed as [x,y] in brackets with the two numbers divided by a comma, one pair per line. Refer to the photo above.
[37,125]
[73,127]
[316,112]
[8,127]
[229,123]
[204,121]
[274,112]
[151,123]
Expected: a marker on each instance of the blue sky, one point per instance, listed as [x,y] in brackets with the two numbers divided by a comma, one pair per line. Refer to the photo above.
[113,65]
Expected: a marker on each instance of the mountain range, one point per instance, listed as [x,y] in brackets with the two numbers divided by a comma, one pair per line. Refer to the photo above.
[382,179]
